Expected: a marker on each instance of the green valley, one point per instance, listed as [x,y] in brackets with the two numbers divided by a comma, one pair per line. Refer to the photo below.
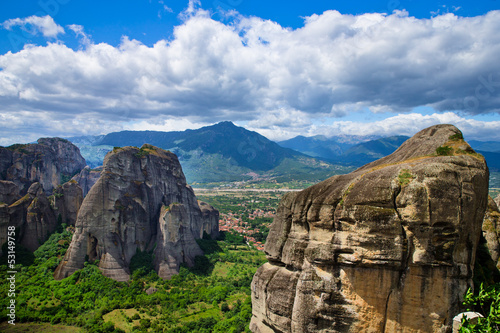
[212,296]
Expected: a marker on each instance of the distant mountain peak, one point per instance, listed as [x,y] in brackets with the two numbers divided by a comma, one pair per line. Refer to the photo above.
[225,123]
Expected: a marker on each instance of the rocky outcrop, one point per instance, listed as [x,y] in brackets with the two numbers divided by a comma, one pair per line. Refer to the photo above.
[30,172]
[87,178]
[140,201]
[491,231]
[34,217]
[50,162]
[67,200]
[387,248]
[210,219]
[9,192]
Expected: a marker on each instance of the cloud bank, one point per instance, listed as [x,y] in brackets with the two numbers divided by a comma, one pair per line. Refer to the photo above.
[256,71]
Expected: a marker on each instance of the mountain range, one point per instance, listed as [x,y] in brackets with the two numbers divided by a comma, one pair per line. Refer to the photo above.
[218,153]
[356,151]
[226,152]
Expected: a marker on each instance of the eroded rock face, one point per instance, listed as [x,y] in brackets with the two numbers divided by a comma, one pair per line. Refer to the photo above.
[67,201]
[50,162]
[9,192]
[28,174]
[87,178]
[33,215]
[387,248]
[210,219]
[141,199]
[491,231]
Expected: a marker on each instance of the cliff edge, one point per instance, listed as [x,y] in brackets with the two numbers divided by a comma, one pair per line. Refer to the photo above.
[389,247]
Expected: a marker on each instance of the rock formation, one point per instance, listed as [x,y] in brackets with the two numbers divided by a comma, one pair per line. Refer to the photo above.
[34,217]
[491,231]
[140,202]
[30,172]
[87,178]
[67,200]
[210,218]
[9,192]
[51,161]
[387,248]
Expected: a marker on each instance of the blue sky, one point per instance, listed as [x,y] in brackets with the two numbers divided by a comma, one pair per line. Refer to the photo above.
[282,68]
[150,21]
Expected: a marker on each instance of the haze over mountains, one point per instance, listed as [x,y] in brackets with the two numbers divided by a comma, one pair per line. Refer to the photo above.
[226,152]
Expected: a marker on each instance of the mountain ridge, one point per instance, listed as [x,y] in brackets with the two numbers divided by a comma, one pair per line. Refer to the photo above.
[226,152]
[219,153]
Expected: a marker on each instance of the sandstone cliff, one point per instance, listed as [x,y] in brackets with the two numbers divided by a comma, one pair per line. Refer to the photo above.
[387,248]
[140,201]
[51,161]
[491,231]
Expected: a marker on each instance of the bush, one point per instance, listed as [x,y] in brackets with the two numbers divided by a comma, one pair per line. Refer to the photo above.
[224,307]
[444,151]
[142,262]
[456,137]
[486,302]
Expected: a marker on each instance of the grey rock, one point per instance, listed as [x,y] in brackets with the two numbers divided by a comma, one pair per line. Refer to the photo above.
[87,178]
[9,192]
[210,219]
[32,215]
[50,162]
[140,200]
[67,200]
[389,247]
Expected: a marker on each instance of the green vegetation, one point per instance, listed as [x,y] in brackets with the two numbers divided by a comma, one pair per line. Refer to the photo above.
[260,184]
[143,151]
[405,177]
[487,302]
[65,178]
[141,263]
[486,298]
[305,169]
[20,147]
[254,210]
[444,151]
[456,137]
[192,301]
[38,328]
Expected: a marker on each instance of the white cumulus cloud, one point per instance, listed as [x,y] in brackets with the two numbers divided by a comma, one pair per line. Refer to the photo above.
[256,71]
[34,24]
